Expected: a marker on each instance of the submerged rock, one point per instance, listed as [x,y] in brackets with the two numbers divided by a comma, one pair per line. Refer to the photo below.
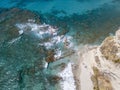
[54,79]
[21,57]
[50,56]
[8,19]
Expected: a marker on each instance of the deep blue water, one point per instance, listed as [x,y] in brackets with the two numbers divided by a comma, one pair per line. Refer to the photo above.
[46,6]
[23,57]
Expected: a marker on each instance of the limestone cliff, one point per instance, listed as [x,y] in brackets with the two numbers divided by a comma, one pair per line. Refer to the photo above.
[100,65]
[110,48]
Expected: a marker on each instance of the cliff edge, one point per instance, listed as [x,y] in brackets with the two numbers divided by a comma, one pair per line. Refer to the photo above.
[100,65]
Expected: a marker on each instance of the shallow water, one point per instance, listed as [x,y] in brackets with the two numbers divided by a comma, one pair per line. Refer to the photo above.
[52,29]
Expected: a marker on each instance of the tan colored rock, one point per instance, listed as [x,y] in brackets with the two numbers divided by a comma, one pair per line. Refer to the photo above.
[109,49]
[117,36]
[100,81]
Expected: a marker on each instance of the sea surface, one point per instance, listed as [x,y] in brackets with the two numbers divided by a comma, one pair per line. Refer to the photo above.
[37,37]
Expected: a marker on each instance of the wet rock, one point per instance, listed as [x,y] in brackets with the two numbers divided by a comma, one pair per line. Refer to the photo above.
[24,59]
[62,65]
[20,16]
[54,79]
[39,65]
[8,19]
[50,56]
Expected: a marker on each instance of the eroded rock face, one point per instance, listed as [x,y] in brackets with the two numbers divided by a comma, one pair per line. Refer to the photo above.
[110,48]
[102,65]
[100,81]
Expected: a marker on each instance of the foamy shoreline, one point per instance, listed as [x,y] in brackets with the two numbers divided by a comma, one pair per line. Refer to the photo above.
[79,70]
[82,69]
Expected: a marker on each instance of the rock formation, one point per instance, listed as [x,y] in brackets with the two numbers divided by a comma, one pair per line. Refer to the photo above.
[100,65]
[110,48]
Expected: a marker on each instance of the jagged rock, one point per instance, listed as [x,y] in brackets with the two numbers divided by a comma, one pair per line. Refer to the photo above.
[100,81]
[8,20]
[50,56]
[109,49]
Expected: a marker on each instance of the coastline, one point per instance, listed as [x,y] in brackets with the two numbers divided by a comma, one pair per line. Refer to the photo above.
[91,65]
[83,68]
[92,70]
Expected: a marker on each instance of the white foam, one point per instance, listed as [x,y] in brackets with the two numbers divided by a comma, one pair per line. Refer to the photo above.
[14,40]
[31,20]
[44,30]
[48,45]
[58,54]
[68,82]
[56,39]
[46,65]
[67,40]
[20,32]
[39,29]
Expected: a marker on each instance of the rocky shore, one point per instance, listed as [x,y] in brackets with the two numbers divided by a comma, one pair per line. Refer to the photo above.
[98,67]
[30,62]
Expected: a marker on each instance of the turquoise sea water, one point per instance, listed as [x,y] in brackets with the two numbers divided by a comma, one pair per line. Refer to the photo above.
[23,53]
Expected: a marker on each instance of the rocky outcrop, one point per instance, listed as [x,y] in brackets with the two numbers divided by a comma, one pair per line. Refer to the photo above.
[100,68]
[100,81]
[110,48]
[50,56]
[8,19]
[106,65]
